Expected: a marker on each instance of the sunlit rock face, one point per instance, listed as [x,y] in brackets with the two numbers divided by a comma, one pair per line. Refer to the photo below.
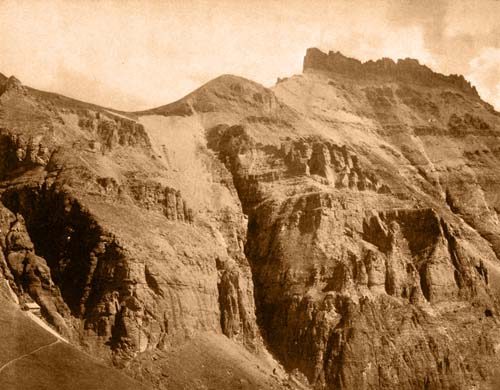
[345,220]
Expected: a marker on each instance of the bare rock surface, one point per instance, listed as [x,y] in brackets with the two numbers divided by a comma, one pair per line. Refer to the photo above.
[337,231]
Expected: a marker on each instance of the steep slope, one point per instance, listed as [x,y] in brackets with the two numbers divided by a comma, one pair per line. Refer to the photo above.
[344,220]
[34,358]
[379,269]
[129,236]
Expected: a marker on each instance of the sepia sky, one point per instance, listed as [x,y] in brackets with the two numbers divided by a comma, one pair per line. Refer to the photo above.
[133,55]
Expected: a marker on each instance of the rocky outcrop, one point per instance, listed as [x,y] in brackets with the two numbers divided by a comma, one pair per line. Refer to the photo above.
[18,151]
[319,159]
[404,70]
[111,130]
[335,165]
[175,207]
[168,200]
[28,274]
[11,84]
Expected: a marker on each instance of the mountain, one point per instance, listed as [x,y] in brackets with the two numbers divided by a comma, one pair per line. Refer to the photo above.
[337,231]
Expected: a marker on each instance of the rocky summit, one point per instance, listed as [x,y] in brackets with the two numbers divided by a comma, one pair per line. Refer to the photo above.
[339,230]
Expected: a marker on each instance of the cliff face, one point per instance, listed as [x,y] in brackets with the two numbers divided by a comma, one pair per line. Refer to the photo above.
[129,245]
[404,70]
[384,288]
[344,220]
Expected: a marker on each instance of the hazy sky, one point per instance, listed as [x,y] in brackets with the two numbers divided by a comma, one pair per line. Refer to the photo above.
[134,55]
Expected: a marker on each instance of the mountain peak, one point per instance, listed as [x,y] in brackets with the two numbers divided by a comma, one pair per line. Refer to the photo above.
[225,92]
[404,70]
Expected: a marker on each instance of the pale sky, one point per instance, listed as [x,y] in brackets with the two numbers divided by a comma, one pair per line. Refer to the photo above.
[133,55]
